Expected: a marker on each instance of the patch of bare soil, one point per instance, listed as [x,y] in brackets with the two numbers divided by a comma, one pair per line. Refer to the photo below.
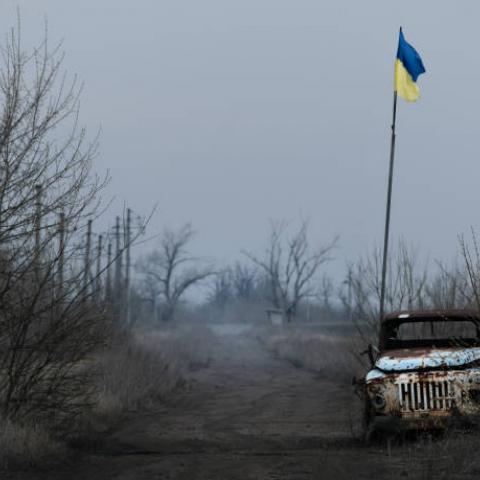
[250,416]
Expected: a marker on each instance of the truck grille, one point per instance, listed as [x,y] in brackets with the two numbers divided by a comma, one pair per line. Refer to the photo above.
[425,396]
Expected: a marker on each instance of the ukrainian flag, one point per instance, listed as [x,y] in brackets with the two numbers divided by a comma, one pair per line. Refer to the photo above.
[408,67]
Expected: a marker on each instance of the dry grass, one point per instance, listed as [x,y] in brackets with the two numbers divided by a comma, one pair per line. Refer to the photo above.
[150,365]
[133,375]
[450,455]
[453,456]
[27,445]
[193,344]
[327,354]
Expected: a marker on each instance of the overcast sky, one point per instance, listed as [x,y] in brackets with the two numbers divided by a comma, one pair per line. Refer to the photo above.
[230,113]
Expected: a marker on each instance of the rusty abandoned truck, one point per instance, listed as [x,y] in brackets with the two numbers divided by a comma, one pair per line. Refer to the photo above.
[426,372]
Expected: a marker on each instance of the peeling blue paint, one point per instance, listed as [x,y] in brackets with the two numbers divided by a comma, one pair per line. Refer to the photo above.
[374,375]
[430,359]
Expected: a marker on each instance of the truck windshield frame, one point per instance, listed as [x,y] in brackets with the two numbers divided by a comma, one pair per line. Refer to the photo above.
[430,332]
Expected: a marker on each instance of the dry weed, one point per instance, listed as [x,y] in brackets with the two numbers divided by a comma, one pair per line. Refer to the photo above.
[147,367]
[27,445]
[134,375]
[324,353]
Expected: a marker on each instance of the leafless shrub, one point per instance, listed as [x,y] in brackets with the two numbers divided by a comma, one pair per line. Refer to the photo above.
[135,375]
[194,343]
[237,294]
[170,271]
[31,445]
[448,456]
[48,323]
[470,254]
[221,289]
[404,289]
[448,289]
[148,366]
[327,354]
[238,283]
[411,284]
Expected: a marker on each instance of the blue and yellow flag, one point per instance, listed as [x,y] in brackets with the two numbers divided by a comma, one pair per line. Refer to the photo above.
[408,67]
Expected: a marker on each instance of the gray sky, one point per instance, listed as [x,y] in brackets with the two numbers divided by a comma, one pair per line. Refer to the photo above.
[231,113]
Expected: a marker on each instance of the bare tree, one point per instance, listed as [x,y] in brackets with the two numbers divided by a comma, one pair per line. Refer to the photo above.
[469,279]
[169,271]
[411,284]
[405,287]
[221,289]
[237,283]
[47,193]
[246,282]
[449,288]
[290,266]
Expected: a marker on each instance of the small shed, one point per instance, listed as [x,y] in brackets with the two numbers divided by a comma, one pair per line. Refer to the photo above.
[276,317]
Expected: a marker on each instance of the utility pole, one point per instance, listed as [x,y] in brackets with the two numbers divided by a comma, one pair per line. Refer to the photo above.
[61,254]
[154,306]
[98,283]
[86,271]
[349,300]
[108,288]
[38,227]
[118,269]
[127,268]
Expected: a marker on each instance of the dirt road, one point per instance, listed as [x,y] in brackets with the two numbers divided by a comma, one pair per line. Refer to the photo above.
[247,416]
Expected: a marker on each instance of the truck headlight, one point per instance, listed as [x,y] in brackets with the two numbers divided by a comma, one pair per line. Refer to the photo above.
[474,395]
[378,401]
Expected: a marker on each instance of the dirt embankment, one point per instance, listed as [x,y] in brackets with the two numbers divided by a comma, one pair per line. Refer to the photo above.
[251,416]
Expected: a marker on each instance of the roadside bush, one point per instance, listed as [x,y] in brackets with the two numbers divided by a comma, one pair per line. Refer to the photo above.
[134,375]
[193,344]
[410,284]
[329,355]
[27,445]
[148,366]
[48,191]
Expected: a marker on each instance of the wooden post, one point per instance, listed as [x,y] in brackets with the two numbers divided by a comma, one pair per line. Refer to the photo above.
[86,271]
[118,285]
[38,227]
[118,262]
[349,298]
[98,283]
[108,287]
[61,254]
[127,268]
[155,308]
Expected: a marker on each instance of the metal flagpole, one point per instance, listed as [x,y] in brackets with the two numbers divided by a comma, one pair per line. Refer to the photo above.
[387,215]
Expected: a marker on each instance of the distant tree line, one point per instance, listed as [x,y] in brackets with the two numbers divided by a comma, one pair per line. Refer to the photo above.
[285,277]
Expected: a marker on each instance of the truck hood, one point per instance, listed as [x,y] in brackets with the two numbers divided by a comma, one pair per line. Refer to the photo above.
[426,358]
